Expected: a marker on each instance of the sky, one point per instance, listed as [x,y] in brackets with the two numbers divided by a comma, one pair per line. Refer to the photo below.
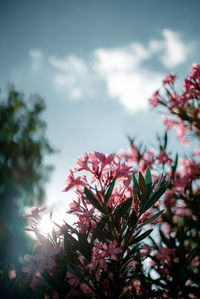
[95,63]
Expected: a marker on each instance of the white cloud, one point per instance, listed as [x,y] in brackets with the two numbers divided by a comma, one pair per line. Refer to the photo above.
[175,51]
[125,73]
[68,64]
[36,56]
[71,76]
[128,77]
[171,49]
[125,78]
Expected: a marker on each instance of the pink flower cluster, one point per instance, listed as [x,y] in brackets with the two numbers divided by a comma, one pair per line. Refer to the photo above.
[184,106]
[101,170]
[100,254]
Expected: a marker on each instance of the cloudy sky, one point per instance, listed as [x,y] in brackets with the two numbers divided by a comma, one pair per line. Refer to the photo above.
[96,63]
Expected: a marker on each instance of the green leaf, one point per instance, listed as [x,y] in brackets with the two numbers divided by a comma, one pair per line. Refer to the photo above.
[194,252]
[165,240]
[136,186]
[109,192]
[155,197]
[148,178]
[81,244]
[175,165]
[99,228]
[142,185]
[105,234]
[151,219]
[159,182]
[84,246]
[133,219]
[90,196]
[69,251]
[119,212]
[141,237]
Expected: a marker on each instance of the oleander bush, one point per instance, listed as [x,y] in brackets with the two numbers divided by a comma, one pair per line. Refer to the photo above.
[137,217]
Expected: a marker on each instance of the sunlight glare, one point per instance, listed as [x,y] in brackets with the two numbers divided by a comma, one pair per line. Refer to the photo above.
[46,225]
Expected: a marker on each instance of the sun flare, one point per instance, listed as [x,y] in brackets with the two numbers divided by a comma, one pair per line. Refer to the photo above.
[46,225]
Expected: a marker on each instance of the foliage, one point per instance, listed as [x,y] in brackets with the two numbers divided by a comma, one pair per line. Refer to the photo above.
[110,251]
[23,174]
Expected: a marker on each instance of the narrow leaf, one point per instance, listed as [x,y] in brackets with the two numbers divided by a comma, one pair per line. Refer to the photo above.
[154,198]
[109,192]
[159,182]
[122,210]
[84,246]
[136,186]
[142,185]
[104,235]
[165,140]
[165,240]
[141,237]
[148,179]
[175,165]
[99,228]
[151,219]
[90,196]
[133,219]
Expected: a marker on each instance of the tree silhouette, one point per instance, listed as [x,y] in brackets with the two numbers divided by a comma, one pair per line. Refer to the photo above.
[23,144]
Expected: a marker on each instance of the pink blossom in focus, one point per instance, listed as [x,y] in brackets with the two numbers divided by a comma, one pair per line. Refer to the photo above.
[72,182]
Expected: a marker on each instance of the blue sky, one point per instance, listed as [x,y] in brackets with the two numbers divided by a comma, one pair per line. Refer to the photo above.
[96,63]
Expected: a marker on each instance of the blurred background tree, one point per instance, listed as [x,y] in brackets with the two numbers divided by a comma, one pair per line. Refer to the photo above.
[23,145]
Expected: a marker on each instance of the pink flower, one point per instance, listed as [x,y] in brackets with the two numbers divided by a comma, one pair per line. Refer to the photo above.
[182,128]
[72,182]
[197,152]
[84,222]
[155,99]
[167,229]
[169,122]
[35,284]
[181,210]
[82,163]
[132,155]
[165,255]
[12,273]
[35,213]
[195,71]
[113,250]
[169,79]
[146,161]
[163,158]
[138,287]
[147,250]
[169,199]
[72,279]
